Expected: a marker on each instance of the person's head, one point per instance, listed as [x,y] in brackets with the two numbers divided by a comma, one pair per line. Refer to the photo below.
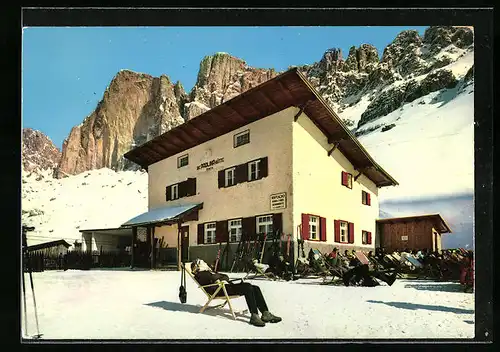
[370,253]
[335,249]
[346,252]
[199,265]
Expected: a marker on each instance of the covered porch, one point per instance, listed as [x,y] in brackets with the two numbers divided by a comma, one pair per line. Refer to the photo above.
[146,226]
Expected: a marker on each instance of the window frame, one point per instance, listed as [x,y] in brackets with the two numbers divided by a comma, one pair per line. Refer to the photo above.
[349,180]
[265,223]
[208,229]
[346,231]
[257,170]
[364,237]
[176,188]
[226,172]
[364,198]
[231,226]
[240,134]
[317,224]
[180,158]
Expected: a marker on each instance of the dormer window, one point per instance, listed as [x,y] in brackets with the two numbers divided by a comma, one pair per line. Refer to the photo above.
[241,138]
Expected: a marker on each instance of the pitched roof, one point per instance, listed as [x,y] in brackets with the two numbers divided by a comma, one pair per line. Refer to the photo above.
[290,88]
[48,245]
[438,221]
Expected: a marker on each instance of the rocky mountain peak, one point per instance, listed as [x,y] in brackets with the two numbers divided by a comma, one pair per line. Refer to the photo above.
[331,60]
[38,151]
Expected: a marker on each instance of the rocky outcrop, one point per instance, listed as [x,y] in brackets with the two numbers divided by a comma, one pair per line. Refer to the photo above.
[135,108]
[439,37]
[220,78]
[38,151]
[394,98]
[362,59]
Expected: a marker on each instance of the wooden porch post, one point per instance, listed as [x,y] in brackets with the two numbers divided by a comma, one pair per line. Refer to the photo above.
[179,246]
[152,230]
[132,249]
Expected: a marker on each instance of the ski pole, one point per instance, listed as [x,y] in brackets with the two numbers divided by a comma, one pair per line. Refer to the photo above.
[34,301]
[25,311]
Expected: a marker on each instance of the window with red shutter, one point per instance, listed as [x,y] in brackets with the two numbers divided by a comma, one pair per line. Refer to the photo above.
[346,179]
[369,238]
[369,202]
[201,234]
[305,226]
[350,234]
[336,225]
[322,229]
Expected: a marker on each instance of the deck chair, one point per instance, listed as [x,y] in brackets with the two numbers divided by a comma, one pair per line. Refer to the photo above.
[362,257]
[220,286]
[260,271]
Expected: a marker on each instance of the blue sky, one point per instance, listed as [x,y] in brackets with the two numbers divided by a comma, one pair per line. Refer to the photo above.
[65,70]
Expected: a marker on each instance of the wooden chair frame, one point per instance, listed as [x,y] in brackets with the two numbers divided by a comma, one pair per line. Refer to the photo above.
[221,285]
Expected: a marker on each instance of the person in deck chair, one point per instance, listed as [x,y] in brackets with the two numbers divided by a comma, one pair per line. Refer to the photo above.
[365,277]
[253,294]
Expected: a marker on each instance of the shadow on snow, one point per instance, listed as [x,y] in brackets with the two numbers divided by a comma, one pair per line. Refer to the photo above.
[413,306]
[190,308]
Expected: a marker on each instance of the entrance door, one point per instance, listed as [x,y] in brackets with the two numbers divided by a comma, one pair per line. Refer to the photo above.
[185,243]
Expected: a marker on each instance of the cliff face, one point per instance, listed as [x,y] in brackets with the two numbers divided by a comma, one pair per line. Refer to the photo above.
[38,151]
[135,108]
[138,107]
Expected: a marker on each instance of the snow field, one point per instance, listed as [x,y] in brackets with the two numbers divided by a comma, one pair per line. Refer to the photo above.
[124,304]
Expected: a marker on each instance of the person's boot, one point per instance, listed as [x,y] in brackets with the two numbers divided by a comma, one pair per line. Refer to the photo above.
[346,279]
[256,321]
[392,279]
[267,317]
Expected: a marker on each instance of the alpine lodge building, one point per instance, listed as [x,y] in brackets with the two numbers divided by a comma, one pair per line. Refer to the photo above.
[275,159]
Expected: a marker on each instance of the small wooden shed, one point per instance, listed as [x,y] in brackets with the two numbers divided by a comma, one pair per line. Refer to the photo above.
[412,232]
[52,248]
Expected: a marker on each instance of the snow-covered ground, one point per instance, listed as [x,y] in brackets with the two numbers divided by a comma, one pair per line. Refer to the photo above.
[59,208]
[124,304]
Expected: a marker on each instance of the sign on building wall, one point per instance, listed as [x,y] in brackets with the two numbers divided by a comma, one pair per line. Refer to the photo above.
[278,201]
[404,238]
[209,164]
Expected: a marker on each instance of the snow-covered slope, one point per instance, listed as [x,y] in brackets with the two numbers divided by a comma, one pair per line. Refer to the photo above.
[59,208]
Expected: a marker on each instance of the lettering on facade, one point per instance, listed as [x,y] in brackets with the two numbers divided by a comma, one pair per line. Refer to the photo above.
[404,238]
[278,201]
[208,165]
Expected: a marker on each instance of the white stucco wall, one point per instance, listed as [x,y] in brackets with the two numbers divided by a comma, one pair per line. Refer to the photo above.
[318,189]
[270,136]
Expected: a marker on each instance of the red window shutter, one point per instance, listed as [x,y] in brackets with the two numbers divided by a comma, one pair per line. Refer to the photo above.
[305,226]
[368,200]
[221,178]
[221,231]
[264,169]
[168,193]
[369,238]
[277,223]
[344,178]
[336,225]
[350,234]
[201,234]
[322,229]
